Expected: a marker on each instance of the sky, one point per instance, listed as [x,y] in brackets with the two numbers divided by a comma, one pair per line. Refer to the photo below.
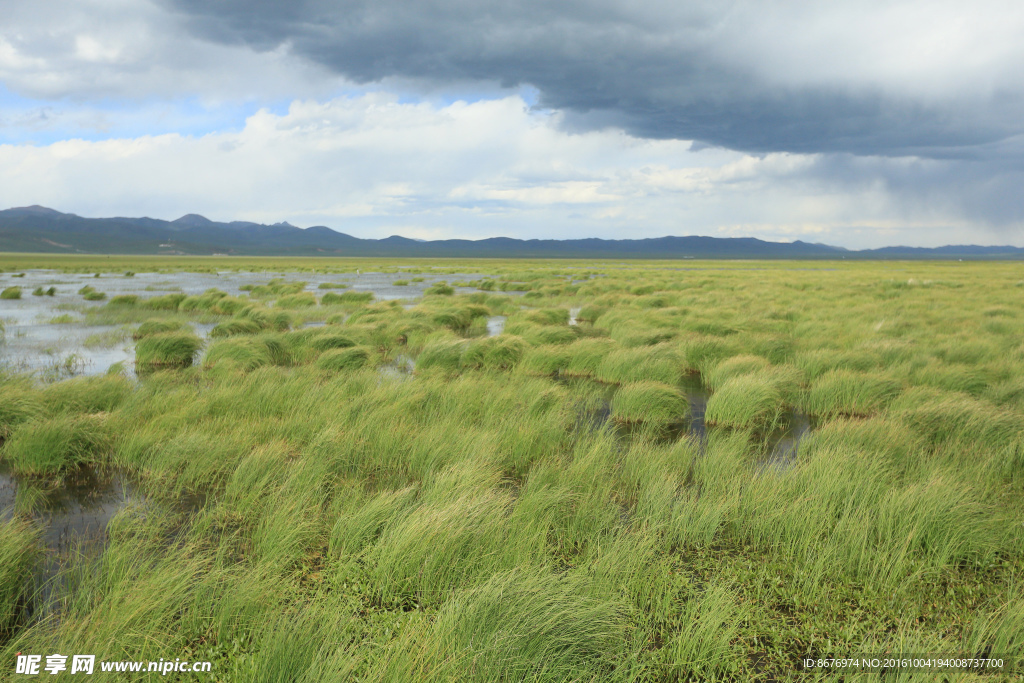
[857,124]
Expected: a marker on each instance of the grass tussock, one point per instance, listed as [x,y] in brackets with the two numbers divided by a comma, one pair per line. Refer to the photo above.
[158,326]
[246,353]
[944,417]
[21,403]
[653,363]
[649,402]
[346,298]
[101,394]
[233,328]
[54,445]
[545,361]
[124,300]
[263,319]
[300,300]
[503,352]
[745,402]
[166,350]
[841,392]
[517,626]
[344,359]
[441,354]
[164,302]
[90,293]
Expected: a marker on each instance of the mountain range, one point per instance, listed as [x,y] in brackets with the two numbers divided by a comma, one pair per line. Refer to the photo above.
[38,229]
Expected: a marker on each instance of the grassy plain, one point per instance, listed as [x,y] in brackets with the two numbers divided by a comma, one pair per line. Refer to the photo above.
[473,521]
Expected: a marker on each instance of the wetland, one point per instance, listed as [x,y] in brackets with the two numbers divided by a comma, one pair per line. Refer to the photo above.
[332,469]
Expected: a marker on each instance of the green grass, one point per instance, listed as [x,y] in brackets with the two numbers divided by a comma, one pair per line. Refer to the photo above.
[11,293]
[99,394]
[344,359]
[497,353]
[440,289]
[158,326]
[654,363]
[649,402]
[246,353]
[302,300]
[441,353]
[106,339]
[517,626]
[587,355]
[211,301]
[734,367]
[745,402]
[166,350]
[841,392]
[350,298]
[19,552]
[264,318]
[545,361]
[309,514]
[124,300]
[164,302]
[235,327]
[322,340]
[21,403]
[54,445]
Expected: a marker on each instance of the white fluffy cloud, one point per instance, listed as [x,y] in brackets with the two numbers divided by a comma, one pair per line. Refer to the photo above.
[374,166]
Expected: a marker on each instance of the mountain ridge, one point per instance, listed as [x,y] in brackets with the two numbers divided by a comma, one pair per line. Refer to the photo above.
[39,229]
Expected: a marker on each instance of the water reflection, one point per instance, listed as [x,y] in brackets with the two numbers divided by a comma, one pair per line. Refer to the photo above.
[496,325]
[44,334]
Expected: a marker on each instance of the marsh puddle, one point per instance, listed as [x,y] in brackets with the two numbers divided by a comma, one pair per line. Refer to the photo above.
[400,369]
[496,325]
[74,513]
[45,334]
[697,396]
[58,350]
[75,509]
[781,445]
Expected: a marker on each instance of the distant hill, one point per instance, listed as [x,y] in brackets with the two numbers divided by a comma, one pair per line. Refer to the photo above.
[39,229]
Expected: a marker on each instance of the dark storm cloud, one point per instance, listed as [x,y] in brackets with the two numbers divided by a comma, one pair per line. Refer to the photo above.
[695,72]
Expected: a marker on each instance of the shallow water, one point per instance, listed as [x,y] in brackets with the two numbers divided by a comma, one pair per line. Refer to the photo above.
[782,444]
[399,369]
[697,396]
[31,343]
[74,514]
[75,509]
[61,349]
[496,325]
